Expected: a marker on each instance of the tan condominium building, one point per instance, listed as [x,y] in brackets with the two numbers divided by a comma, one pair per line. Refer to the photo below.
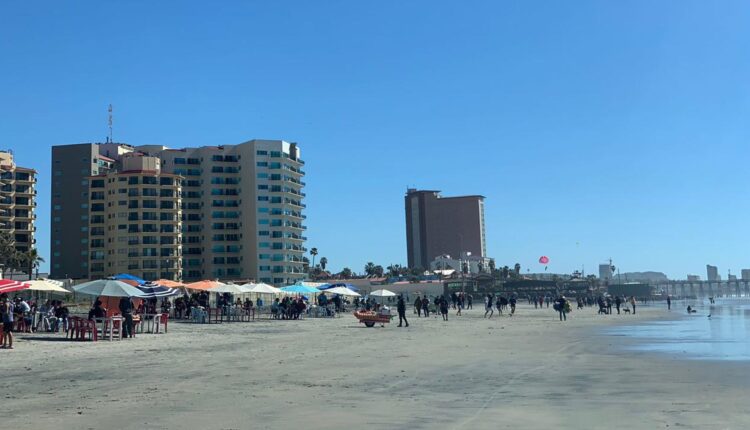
[240,211]
[17,202]
[135,222]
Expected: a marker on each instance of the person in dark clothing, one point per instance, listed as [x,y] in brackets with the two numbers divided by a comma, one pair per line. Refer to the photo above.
[418,306]
[669,303]
[618,302]
[469,301]
[512,305]
[443,304]
[98,311]
[426,306]
[401,307]
[562,307]
[126,309]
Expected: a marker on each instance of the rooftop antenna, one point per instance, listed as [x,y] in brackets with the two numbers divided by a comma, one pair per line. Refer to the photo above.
[110,122]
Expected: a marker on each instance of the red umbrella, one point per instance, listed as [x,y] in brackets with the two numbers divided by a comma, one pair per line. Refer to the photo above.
[9,286]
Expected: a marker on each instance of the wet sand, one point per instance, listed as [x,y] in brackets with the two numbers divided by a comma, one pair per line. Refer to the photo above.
[528,371]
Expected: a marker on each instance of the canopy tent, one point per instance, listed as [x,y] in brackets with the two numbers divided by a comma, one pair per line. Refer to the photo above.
[109,288]
[231,289]
[204,285]
[338,285]
[127,277]
[300,289]
[169,284]
[343,291]
[262,289]
[47,285]
[9,286]
[153,291]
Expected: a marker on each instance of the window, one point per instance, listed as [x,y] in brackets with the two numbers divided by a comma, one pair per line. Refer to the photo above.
[262,187]
[261,152]
[262,210]
[262,164]
[263,221]
[262,175]
[179,161]
[262,198]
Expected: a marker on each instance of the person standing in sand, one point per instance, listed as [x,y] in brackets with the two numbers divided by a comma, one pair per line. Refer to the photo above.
[632,303]
[418,306]
[488,306]
[6,317]
[401,308]
[669,302]
[426,306]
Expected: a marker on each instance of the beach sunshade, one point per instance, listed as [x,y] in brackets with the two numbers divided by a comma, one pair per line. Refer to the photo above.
[169,284]
[158,291]
[109,288]
[338,285]
[343,291]
[127,277]
[262,289]
[230,288]
[47,285]
[383,293]
[300,289]
[9,286]
[204,285]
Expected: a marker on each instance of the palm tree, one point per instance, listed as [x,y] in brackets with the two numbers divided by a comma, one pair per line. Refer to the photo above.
[517,269]
[313,252]
[323,262]
[7,250]
[506,272]
[378,271]
[32,260]
[492,266]
[369,267]
[346,273]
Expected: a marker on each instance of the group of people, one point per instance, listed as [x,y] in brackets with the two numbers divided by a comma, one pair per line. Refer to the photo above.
[605,304]
[288,308]
[499,302]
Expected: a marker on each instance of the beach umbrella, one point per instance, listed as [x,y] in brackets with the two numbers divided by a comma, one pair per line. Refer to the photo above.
[300,289]
[127,277]
[153,291]
[204,285]
[262,289]
[343,291]
[47,285]
[109,288]
[9,286]
[169,284]
[230,288]
[337,285]
[383,293]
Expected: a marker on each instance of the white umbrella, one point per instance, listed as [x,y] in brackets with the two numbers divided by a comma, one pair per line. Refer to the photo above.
[262,289]
[230,288]
[47,285]
[383,293]
[342,291]
[109,288]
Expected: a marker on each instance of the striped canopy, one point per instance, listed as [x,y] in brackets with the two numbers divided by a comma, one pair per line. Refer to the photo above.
[151,291]
[9,286]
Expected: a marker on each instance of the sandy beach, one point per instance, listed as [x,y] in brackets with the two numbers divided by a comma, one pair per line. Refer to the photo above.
[528,371]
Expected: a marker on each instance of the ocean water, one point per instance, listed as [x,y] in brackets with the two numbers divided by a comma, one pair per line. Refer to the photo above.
[723,336]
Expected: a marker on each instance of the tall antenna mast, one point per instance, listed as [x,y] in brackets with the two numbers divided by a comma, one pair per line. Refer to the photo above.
[110,122]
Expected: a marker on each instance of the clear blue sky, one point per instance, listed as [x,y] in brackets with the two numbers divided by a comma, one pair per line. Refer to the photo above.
[595,129]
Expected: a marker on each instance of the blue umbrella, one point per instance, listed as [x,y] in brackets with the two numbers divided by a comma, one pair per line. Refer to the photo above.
[339,284]
[129,278]
[300,289]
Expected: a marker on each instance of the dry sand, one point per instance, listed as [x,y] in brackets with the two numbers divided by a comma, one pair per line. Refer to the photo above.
[529,371]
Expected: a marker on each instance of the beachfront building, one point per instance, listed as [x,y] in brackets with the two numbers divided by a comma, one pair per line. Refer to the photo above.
[17,202]
[474,264]
[71,167]
[437,225]
[605,273]
[712,273]
[135,221]
[241,208]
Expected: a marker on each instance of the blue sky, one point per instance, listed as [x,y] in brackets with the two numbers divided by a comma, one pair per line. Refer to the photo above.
[595,129]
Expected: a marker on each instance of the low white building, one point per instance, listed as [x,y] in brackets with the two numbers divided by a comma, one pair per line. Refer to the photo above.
[476,264]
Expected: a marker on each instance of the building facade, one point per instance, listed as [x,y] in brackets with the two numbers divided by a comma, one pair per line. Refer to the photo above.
[712,273]
[241,208]
[605,272]
[437,225]
[745,274]
[17,202]
[474,264]
[135,223]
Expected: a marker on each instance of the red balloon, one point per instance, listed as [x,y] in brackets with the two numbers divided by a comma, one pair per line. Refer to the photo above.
[543,259]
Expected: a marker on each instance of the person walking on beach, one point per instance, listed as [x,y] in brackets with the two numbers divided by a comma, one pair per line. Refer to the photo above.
[126,309]
[669,302]
[470,300]
[562,308]
[426,306]
[618,303]
[443,303]
[6,317]
[512,305]
[401,308]
[418,306]
[488,306]
[632,303]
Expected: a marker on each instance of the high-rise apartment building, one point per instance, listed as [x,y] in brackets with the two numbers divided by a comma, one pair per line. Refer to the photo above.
[17,202]
[712,273]
[605,272]
[135,221]
[240,209]
[437,225]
